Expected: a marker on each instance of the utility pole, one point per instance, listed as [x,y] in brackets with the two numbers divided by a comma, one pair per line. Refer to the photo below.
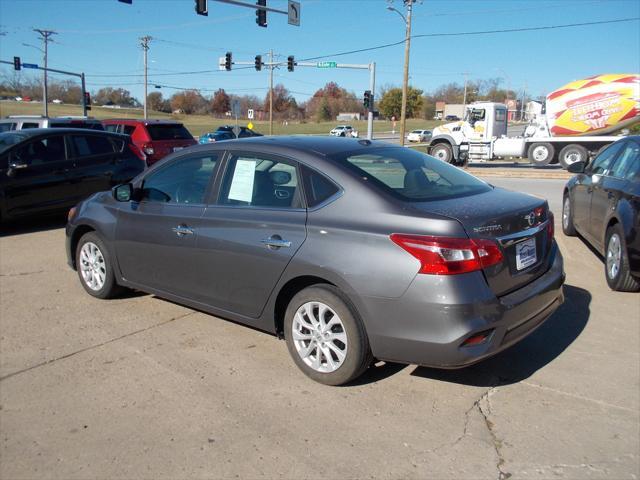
[464,101]
[144,43]
[45,35]
[405,80]
[270,92]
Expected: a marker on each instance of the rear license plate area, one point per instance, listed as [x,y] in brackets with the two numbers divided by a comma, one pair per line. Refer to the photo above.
[526,253]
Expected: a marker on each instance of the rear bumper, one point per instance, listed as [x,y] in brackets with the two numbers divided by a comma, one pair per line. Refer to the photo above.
[428,324]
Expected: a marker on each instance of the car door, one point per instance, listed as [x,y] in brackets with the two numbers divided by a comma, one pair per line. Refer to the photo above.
[606,193]
[583,187]
[251,233]
[156,234]
[40,179]
[94,162]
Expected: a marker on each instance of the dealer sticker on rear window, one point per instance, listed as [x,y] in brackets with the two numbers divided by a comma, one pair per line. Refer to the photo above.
[526,253]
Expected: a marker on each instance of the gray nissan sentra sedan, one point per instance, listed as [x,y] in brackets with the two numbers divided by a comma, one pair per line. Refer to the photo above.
[348,249]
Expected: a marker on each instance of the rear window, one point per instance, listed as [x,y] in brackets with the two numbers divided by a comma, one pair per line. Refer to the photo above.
[410,175]
[168,132]
[78,124]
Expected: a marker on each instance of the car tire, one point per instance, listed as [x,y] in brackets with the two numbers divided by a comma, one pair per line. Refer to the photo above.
[443,151]
[568,228]
[541,154]
[325,337]
[95,268]
[616,262]
[572,154]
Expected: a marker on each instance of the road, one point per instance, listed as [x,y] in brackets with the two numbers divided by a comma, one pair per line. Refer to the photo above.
[142,388]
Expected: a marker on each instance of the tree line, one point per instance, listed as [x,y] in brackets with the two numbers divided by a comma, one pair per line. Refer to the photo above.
[324,105]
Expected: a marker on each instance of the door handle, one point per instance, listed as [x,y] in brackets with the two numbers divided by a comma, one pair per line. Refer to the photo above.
[182,230]
[275,242]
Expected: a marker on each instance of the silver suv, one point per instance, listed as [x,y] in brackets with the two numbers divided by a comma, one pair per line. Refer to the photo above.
[22,122]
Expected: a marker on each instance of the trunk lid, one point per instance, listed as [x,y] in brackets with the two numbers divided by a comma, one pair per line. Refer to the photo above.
[516,221]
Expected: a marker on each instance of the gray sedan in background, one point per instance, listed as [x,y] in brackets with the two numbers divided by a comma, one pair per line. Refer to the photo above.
[348,249]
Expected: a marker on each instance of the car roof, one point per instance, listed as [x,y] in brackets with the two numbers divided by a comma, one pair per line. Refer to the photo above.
[33,132]
[323,145]
[142,121]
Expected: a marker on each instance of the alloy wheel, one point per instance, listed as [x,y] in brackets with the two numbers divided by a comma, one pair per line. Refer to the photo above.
[566,212]
[614,256]
[92,266]
[319,337]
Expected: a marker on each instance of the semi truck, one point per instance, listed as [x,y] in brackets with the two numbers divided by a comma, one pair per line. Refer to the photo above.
[577,120]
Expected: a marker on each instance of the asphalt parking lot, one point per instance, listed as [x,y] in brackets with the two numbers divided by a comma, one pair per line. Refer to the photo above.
[142,388]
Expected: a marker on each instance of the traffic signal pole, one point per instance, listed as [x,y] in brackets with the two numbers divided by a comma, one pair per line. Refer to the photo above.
[63,72]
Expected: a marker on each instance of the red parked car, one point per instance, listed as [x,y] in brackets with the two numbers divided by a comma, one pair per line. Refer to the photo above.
[156,138]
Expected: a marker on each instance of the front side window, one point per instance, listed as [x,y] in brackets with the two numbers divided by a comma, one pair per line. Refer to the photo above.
[501,115]
[628,161]
[41,151]
[183,181]
[111,128]
[604,159]
[6,127]
[260,182]
[410,175]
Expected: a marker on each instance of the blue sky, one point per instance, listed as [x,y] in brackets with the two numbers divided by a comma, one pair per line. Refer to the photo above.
[100,37]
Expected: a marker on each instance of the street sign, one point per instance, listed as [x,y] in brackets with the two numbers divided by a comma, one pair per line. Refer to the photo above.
[250,114]
[221,62]
[327,64]
[235,107]
[294,13]
[29,65]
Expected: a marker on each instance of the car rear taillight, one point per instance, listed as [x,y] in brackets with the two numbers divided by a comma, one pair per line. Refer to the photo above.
[449,256]
[137,152]
[550,227]
[147,148]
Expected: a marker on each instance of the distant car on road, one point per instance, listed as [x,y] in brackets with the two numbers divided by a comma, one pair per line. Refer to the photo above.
[239,132]
[452,118]
[22,122]
[217,136]
[602,203]
[49,170]
[156,138]
[349,249]
[342,131]
[57,101]
[419,136]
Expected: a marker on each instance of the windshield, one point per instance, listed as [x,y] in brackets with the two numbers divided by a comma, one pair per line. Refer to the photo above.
[168,132]
[10,138]
[410,175]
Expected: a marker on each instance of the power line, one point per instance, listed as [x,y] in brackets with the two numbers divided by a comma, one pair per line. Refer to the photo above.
[482,32]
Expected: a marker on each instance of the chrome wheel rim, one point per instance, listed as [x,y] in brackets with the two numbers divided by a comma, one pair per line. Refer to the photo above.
[614,255]
[92,266]
[566,211]
[572,157]
[441,154]
[319,337]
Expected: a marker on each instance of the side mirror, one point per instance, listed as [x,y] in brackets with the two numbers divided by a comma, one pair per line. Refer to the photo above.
[123,193]
[577,167]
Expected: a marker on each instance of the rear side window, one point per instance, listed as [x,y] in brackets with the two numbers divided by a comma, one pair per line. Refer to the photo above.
[317,187]
[410,175]
[41,151]
[128,129]
[26,125]
[603,160]
[111,128]
[6,127]
[86,145]
[168,132]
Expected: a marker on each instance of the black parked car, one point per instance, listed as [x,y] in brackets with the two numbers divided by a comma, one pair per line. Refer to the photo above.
[602,203]
[49,170]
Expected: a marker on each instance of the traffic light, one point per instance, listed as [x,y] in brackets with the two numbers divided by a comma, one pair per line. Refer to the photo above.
[367,99]
[201,7]
[87,100]
[290,63]
[261,15]
[17,65]
[258,62]
[227,61]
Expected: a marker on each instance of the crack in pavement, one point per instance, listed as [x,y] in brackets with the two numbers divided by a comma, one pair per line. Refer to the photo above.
[47,362]
[20,274]
[497,443]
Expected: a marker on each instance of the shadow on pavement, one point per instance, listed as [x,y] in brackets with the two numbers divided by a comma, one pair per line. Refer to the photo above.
[531,354]
[32,225]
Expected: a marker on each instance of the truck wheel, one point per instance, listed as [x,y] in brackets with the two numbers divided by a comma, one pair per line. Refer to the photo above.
[442,151]
[572,154]
[541,154]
